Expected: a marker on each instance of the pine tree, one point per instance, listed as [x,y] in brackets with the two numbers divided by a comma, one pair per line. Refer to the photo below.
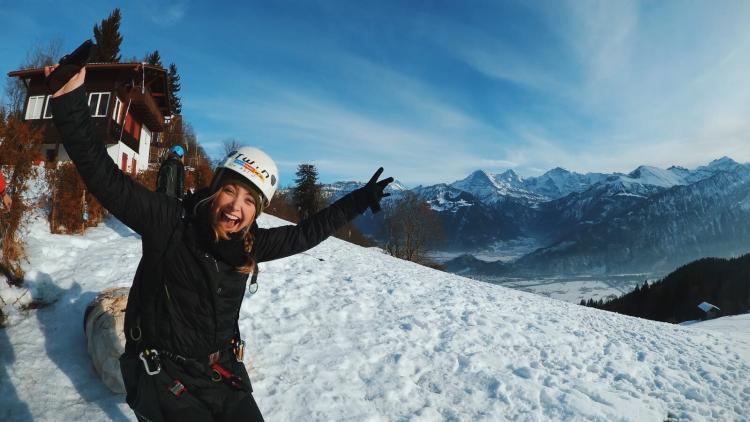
[174,88]
[108,38]
[306,194]
[153,58]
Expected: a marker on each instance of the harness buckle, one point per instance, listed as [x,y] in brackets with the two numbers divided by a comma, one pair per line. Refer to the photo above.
[238,347]
[150,357]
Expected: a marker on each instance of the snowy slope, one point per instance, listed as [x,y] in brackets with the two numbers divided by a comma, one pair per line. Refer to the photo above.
[649,175]
[735,326]
[347,333]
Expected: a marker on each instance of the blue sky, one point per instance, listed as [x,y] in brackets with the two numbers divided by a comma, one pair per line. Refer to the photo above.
[433,90]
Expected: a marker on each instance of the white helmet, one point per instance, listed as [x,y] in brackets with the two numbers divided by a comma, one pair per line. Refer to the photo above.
[253,165]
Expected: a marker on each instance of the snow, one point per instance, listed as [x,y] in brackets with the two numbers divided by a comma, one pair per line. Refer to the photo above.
[705,306]
[649,175]
[494,188]
[573,289]
[349,333]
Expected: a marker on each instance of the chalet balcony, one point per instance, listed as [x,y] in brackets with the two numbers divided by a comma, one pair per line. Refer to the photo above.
[144,107]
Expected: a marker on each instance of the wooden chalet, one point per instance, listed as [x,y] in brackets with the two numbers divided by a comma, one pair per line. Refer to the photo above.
[129,103]
[709,311]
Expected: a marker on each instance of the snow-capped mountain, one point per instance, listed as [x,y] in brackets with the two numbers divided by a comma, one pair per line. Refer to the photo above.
[686,222]
[491,189]
[334,191]
[556,183]
[654,176]
[446,198]
[559,182]
[715,166]
[580,217]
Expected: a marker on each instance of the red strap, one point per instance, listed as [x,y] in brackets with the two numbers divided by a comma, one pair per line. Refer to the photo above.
[232,379]
[223,372]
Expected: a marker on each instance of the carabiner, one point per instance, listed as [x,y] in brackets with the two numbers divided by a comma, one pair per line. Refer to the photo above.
[146,361]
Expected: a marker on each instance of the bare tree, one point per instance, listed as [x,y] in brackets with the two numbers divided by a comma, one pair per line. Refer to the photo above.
[411,228]
[39,56]
[230,145]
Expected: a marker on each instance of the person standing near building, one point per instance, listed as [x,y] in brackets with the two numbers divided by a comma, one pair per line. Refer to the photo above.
[171,178]
[7,201]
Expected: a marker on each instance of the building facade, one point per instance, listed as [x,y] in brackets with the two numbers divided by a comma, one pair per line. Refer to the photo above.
[128,103]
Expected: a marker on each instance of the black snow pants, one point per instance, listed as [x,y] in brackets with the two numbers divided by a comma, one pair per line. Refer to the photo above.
[152,397]
[241,411]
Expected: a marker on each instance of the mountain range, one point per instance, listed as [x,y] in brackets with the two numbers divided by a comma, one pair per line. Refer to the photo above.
[648,220]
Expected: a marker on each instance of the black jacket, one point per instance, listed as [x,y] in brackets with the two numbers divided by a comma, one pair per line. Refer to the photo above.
[171,178]
[191,300]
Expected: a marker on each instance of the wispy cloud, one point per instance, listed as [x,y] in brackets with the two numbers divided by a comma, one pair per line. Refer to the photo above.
[167,12]
[642,88]
[422,138]
[589,86]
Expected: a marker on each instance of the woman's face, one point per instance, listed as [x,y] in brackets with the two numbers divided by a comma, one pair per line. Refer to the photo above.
[233,209]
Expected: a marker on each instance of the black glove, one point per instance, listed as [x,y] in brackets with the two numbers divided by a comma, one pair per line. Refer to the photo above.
[370,194]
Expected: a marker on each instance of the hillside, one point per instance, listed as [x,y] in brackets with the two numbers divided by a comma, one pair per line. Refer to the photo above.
[347,333]
[722,282]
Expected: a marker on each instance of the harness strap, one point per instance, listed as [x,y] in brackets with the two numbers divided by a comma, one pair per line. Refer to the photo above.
[212,370]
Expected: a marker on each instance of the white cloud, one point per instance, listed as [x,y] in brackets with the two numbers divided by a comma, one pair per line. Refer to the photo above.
[167,13]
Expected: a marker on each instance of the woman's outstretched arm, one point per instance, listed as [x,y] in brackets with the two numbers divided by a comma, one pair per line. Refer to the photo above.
[129,201]
[280,242]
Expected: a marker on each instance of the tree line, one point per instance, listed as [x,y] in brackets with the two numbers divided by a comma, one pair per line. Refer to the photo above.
[724,283]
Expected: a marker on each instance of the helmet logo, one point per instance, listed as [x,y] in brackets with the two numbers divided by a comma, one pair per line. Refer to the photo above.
[273,180]
[250,165]
[251,169]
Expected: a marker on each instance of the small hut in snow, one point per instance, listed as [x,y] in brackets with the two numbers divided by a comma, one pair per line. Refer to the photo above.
[709,310]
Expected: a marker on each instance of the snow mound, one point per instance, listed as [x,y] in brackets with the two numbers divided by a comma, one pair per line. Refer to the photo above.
[104,322]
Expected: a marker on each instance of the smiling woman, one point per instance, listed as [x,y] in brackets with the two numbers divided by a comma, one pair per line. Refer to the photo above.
[183,351]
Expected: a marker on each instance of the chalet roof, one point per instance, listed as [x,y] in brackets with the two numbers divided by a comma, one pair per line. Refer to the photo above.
[91,66]
[705,307]
[153,104]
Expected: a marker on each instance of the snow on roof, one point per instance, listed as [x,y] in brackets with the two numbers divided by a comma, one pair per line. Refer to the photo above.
[705,307]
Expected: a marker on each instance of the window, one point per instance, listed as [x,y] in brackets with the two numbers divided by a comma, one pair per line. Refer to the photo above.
[47,108]
[98,102]
[133,127]
[117,111]
[136,130]
[129,123]
[34,110]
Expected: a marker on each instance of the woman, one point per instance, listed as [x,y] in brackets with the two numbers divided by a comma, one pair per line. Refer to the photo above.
[183,355]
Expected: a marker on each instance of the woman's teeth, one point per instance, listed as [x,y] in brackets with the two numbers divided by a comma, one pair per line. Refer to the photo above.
[231,218]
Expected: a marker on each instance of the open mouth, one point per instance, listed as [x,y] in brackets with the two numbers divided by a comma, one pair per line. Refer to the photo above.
[229,219]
